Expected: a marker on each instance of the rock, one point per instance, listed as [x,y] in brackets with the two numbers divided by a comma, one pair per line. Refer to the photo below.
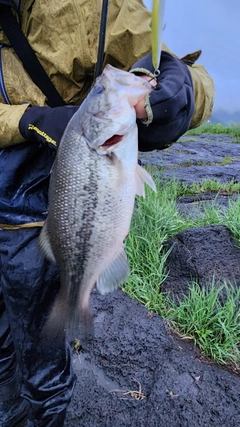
[196,174]
[198,254]
[194,206]
[192,161]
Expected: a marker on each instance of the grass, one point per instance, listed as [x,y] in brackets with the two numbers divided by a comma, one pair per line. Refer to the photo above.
[227,160]
[212,324]
[233,130]
[214,327]
[215,186]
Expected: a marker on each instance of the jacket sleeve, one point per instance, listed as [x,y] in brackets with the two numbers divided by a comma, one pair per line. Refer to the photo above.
[10,116]
[204,94]
[21,92]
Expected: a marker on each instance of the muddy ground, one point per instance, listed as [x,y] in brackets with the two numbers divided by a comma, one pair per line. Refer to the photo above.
[135,371]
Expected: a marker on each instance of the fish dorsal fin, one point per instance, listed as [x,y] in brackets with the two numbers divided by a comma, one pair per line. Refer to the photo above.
[142,176]
[44,244]
[115,275]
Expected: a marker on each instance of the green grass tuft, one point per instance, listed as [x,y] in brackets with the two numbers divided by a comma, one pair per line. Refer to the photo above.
[212,324]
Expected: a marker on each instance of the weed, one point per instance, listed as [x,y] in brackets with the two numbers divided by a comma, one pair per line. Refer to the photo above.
[211,323]
[134,394]
[227,160]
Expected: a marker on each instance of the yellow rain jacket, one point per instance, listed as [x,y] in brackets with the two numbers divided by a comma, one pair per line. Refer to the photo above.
[64,36]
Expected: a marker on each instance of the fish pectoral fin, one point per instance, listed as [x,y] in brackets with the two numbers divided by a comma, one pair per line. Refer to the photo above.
[142,176]
[44,244]
[115,275]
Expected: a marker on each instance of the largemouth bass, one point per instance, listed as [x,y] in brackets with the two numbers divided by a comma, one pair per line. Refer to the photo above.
[93,185]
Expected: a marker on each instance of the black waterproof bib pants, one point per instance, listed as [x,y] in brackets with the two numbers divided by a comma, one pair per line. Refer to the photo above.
[28,285]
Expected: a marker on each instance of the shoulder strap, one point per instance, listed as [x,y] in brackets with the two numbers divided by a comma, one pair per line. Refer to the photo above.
[27,56]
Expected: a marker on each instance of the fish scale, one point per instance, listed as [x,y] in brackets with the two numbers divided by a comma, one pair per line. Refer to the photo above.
[91,197]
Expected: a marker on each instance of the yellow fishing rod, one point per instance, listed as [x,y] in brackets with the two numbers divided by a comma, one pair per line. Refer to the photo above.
[158,9]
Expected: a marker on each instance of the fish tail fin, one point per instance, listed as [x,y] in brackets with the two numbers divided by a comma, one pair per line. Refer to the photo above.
[63,311]
[86,323]
[84,315]
[55,324]
[142,176]
[68,311]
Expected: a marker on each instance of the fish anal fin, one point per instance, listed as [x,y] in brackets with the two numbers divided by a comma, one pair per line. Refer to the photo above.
[114,275]
[45,245]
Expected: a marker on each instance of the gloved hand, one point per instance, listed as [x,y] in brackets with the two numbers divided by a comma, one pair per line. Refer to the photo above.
[45,124]
[169,106]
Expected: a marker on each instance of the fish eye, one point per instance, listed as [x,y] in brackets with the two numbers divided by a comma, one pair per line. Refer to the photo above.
[98,89]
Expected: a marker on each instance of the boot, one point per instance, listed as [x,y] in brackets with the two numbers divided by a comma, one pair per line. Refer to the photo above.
[13,408]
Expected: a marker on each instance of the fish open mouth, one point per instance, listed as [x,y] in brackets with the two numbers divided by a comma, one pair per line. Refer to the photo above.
[115,139]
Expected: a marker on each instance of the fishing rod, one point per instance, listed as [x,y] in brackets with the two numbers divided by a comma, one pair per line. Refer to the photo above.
[102,36]
[158,8]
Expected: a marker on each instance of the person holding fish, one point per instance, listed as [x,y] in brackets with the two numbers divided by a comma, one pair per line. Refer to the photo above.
[48,99]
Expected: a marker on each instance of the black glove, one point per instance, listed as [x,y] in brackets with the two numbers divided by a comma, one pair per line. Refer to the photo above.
[171,103]
[45,124]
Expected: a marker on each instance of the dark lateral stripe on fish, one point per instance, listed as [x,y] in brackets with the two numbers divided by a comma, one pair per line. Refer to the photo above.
[83,238]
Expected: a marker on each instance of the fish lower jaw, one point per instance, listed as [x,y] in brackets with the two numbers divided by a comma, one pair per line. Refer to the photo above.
[107,148]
